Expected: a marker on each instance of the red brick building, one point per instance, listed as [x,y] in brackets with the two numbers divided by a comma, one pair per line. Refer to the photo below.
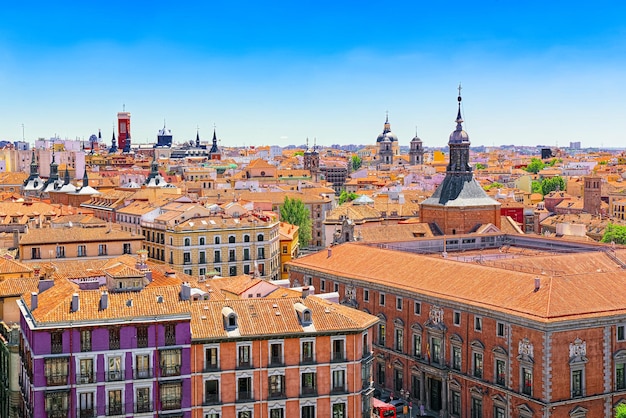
[512,331]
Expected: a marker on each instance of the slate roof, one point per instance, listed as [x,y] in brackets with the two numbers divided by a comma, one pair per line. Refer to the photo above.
[460,191]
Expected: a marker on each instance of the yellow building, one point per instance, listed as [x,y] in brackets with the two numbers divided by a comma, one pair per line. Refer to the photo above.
[289,246]
[215,244]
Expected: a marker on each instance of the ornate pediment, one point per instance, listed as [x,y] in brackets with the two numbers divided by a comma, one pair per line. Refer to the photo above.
[525,351]
[578,351]
[435,318]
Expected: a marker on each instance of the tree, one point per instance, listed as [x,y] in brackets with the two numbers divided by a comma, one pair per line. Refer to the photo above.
[347,197]
[356,162]
[535,187]
[535,165]
[493,185]
[620,411]
[614,233]
[479,166]
[300,153]
[551,184]
[294,212]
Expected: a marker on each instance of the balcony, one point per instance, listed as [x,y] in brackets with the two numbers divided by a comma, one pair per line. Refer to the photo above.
[56,348]
[57,413]
[56,379]
[245,396]
[170,404]
[167,371]
[115,409]
[210,367]
[143,373]
[211,399]
[142,407]
[114,375]
[338,356]
[280,394]
[83,378]
[307,360]
[338,390]
[114,344]
[217,260]
[276,361]
[244,365]
[87,413]
[308,392]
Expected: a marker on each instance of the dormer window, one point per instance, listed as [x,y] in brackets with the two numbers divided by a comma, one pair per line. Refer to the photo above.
[230,318]
[304,314]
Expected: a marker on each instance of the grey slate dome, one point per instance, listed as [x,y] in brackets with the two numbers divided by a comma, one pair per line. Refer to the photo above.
[459,136]
[387,134]
[416,139]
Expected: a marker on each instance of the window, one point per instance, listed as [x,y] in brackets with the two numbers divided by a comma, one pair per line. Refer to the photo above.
[277,413]
[170,334]
[142,336]
[323,285]
[56,370]
[399,303]
[478,364]
[500,372]
[417,345]
[186,258]
[171,395]
[142,366]
[259,237]
[81,251]
[621,332]
[243,353]
[276,354]
[500,329]
[498,412]
[381,299]
[126,248]
[211,358]
[417,308]
[216,240]
[57,403]
[381,334]
[435,349]
[231,256]
[114,406]
[620,370]
[399,339]
[35,253]
[284,249]
[380,373]
[457,318]
[276,386]
[456,403]
[577,383]
[339,410]
[201,241]
[308,411]
[366,295]
[398,380]
[56,341]
[246,254]
[478,324]
[85,340]
[336,287]
[202,257]
[456,357]
[527,381]
[85,404]
[232,271]
[338,347]
[308,384]
[477,408]
[170,362]
[246,238]
[102,249]
[244,388]
[142,400]
[114,372]
[60,251]
[211,391]
[86,371]
[231,239]
[114,338]
[261,253]
[308,353]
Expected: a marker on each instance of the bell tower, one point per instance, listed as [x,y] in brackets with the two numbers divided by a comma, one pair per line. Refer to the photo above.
[123,128]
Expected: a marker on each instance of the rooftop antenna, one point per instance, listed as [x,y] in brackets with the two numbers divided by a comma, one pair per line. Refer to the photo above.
[123,107]
[22,132]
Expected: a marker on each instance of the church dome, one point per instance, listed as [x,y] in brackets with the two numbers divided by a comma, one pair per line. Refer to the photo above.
[416,139]
[459,137]
[387,135]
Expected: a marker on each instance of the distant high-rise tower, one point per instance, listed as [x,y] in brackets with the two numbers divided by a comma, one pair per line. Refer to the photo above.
[592,195]
[123,127]
[312,161]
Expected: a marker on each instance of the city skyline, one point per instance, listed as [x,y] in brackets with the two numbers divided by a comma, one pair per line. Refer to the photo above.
[277,74]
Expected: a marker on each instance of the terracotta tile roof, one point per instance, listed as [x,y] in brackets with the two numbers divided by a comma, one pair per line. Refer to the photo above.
[18,286]
[266,317]
[562,297]
[75,234]
[8,266]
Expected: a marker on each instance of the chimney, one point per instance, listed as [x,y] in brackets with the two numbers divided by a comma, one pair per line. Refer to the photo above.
[75,303]
[305,292]
[330,252]
[185,291]
[170,273]
[537,284]
[44,284]
[104,300]
[34,299]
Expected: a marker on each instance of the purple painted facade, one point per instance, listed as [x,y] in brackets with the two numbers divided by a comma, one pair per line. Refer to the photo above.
[109,381]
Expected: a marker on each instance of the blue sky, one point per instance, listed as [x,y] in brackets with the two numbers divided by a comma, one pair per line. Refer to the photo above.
[278,72]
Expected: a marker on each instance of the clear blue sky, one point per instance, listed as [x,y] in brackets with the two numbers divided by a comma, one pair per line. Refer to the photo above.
[533,72]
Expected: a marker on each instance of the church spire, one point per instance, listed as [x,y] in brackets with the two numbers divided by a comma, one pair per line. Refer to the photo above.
[197,137]
[85,178]
[113,143]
